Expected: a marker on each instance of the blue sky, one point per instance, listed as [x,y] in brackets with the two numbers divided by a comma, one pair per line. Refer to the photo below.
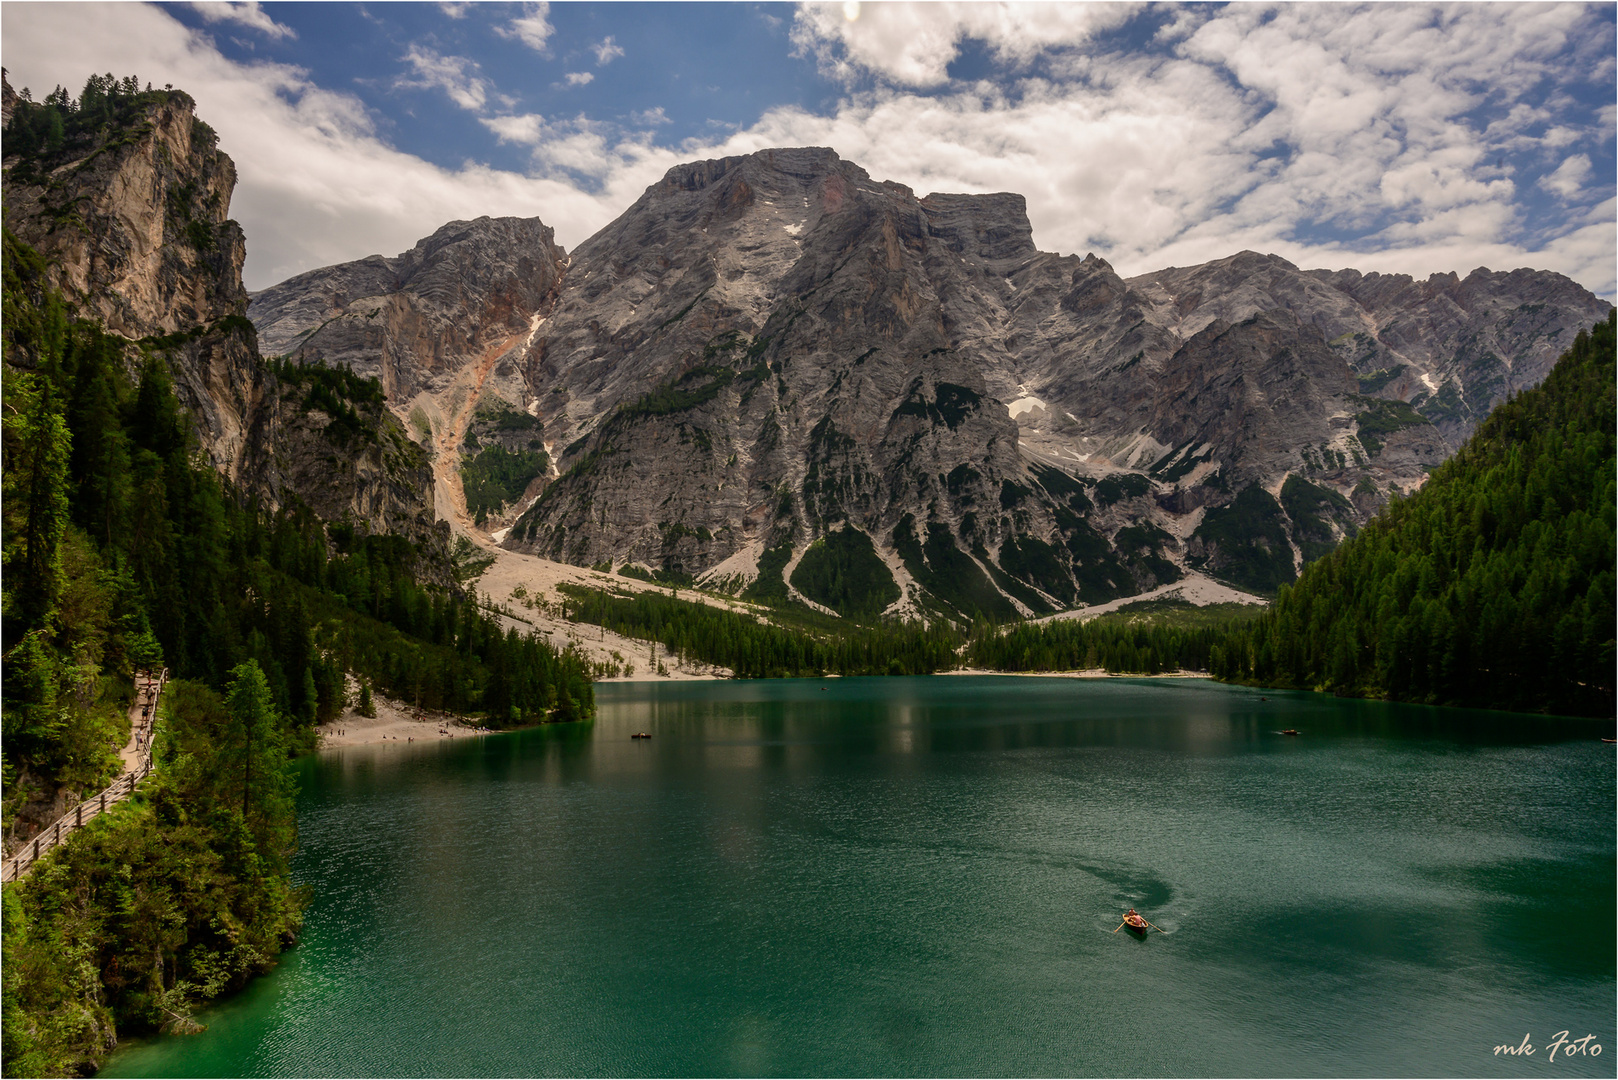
[1402,138]
[427,71]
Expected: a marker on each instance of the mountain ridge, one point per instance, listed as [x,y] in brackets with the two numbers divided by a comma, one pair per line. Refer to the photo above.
[766,349]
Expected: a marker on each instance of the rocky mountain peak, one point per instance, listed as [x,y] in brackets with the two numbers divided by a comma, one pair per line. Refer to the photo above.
[773,351]
[469,292]
[993,227]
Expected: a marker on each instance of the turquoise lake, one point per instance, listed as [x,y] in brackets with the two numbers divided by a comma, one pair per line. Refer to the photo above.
[922,876]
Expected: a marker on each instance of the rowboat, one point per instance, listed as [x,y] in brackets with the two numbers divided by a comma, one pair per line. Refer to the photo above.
[1135,922]
[640,735]
[1290,731]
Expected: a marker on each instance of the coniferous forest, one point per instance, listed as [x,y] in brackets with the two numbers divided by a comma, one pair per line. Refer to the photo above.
[1492,586]
[123,551]
[754,649]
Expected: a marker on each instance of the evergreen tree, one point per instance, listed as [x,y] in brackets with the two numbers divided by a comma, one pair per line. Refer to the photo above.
[1492,586]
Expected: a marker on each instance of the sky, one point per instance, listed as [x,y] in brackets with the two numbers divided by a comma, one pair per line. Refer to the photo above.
[1401,138]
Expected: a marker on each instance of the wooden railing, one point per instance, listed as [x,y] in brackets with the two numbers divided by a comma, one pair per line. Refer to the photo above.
[22,861]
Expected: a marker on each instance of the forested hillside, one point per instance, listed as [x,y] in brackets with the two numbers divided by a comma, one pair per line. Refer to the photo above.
[799,643]
[1492,586]
[123,549]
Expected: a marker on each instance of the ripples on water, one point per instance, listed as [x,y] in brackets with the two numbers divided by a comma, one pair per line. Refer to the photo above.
[922,876]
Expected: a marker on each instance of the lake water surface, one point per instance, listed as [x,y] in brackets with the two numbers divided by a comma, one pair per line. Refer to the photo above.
[922,876]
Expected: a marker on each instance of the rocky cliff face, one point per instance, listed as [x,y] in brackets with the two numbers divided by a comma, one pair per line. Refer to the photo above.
[444,326]
[134,226]
[133,222]
[1453,348]
[467,294]
[774,370]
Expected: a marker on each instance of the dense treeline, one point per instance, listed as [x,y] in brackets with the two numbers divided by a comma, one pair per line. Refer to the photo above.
[122,551]
[1491,586]
[757,650]
[166,901]
[42,133]
[497,477]
[353,403]
[1112,645]
[198,577]
[427,646]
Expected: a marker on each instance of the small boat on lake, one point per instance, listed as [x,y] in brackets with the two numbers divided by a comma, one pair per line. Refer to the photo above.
[640,735]
[1136,923]
[1289,731]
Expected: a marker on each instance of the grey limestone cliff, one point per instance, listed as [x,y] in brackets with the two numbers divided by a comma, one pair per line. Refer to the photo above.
[414,321]
[768,350]
[133,224]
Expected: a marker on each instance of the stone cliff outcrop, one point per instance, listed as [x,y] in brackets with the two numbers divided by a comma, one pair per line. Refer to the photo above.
[132,219]
[768,350]
[416,320]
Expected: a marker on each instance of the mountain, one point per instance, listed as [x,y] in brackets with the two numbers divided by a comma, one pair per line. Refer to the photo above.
[127,204]
[464,297]
[1491,587]
[775,374]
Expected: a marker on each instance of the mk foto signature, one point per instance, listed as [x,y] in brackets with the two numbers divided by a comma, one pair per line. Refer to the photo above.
[1568,1047]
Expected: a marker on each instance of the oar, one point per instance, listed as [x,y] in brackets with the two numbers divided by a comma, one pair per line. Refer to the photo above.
[1120,926]
[1153,925]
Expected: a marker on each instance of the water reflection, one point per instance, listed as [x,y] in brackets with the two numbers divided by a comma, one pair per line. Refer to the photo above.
[923,875]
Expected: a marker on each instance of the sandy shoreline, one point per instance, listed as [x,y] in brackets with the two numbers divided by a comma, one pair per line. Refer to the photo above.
[394,722]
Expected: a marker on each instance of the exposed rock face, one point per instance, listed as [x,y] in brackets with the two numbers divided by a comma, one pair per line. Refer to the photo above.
[1454,348]
[370,473]
[472,289]
[769,349]
[136,234]
[138,231]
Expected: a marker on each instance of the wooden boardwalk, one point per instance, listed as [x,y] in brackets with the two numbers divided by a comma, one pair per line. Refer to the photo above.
[137,758]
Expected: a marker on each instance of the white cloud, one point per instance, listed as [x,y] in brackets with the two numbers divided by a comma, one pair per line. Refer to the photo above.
[515,129]
[247,14]
[1559,136]
[315,184]
[912,44]
[1266,123]
[451,74]
[579,78]
[600,153]
[607,51]
[454,11]
[1229,142]
[533,29]
[1568,179]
